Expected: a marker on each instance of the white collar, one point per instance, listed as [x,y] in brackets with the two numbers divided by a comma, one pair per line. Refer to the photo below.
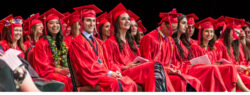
[86,34]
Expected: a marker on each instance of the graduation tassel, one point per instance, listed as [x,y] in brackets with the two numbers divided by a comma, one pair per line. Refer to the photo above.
[199,35]
[45,26]
[12,32]
[171,30]
[81,22]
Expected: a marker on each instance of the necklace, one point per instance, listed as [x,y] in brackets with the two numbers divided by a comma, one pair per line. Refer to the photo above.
[58,55]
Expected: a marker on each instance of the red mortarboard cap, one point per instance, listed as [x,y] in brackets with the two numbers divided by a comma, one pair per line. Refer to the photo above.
[66,14]
[117,11]
[72,18]
[204,24]
[88,10]
[5,22]
[49,15]
[133,16]
[234,23]
[103,18]
[220,21]
[52,14]
[173,16]
[191,18]
[31,21]
[141,27]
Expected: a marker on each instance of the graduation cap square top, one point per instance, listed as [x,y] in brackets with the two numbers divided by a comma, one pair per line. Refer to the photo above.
[117,11]
[235,24]
[88,10]
[191,18]
[172,15]
[103,18]
[72,18]
[141,27]
[133,16]
[51,14]
[204,24]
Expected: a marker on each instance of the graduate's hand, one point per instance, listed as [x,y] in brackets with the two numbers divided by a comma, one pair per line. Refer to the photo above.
[130,65]
[241,68]
[64,71]
[115,75]
[119,74]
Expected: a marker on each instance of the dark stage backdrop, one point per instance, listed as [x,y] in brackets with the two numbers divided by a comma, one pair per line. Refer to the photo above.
[148,10]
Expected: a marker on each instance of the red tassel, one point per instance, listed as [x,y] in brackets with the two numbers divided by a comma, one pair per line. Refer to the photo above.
[199,36]
[29,29]
[81,22]
[45,26]
[12,32]
[171,30]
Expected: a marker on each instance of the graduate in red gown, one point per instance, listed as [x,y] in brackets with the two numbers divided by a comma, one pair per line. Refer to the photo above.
[191,22]
[35,31]
[74,23]
[14,34]
[206,46]
[50,53]
[159,46]
[88,57]
[122,51]
[233,51]
[103,26]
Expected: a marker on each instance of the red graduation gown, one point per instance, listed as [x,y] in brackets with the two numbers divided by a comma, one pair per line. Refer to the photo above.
[193,41]
[44,66]
[227,71]
[6,46]
[242,61]
[145,71]
[154,47]
[90,72]
[68,40]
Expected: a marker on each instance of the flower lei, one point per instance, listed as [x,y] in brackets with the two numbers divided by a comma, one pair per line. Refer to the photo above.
[58,55]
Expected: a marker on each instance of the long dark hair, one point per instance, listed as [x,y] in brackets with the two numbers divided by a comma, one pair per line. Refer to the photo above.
[100,31]
[183,38]
[227,42]
[137,37]
[210,43]
[128,37]
[59,36]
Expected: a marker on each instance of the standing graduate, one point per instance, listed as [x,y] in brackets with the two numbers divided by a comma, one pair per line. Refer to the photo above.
[14,34]
[88,57]
[158,45]
[122,51]
[191,22]
[50,53]
[73,21]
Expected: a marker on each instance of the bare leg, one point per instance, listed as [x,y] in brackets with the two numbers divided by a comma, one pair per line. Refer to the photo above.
[241,85]
[28,85]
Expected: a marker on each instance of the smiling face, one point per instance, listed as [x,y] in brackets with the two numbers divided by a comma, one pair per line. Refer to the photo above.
[54,26]
[106,29]
[208,34]
[124,21]
[134,28]
[39,29]
[183,26]
[18,32]
[89,24]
